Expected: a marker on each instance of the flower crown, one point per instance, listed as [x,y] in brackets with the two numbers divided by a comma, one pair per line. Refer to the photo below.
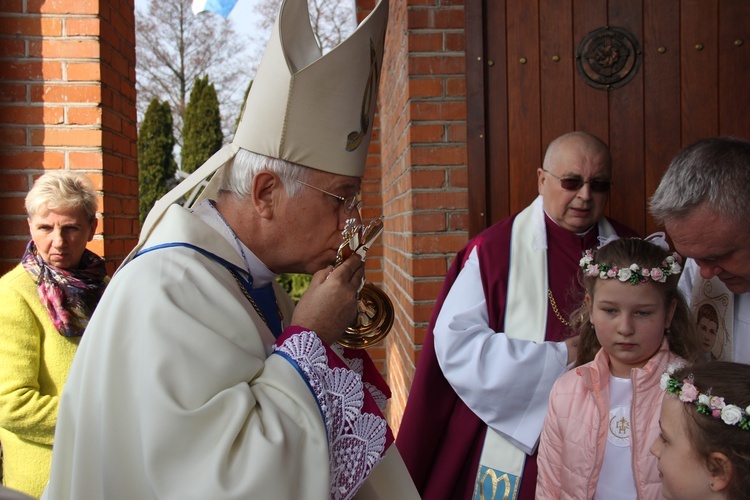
[706,404]
[633,274]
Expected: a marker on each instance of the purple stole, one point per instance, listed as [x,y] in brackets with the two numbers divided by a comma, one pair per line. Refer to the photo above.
[440,438]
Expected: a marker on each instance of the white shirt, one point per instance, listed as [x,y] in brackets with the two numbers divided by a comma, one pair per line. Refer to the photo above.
[616,478]
[506,382]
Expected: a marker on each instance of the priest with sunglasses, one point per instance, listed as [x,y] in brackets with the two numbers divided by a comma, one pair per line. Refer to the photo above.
[500,334]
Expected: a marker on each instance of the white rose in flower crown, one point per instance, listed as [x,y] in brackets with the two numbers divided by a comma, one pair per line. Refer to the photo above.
[676,268]
[731,414]
[665,380]
[624,274]
[704,400]
[634,267]
[747,410]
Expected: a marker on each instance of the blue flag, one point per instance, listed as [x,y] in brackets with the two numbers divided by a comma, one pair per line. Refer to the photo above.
[221,7]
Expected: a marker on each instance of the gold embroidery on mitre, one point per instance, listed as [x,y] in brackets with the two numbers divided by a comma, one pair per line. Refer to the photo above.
[354,138]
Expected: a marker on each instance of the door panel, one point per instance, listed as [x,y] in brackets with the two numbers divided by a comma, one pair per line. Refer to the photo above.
[699,58]
[661,76]
[693,66]
[734,68]
[523,100]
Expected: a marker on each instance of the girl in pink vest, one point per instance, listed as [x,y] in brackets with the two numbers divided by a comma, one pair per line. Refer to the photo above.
[604,414]
[703,450]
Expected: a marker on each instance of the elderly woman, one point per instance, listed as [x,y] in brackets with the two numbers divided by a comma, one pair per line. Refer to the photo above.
[45,304]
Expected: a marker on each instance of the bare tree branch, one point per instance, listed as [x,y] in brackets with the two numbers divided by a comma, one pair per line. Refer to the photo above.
[174,47]
[332,20]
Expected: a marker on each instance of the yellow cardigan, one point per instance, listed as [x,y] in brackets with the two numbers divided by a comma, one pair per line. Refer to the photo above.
[34,364]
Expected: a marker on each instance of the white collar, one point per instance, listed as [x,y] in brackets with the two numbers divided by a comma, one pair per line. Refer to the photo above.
[207,212]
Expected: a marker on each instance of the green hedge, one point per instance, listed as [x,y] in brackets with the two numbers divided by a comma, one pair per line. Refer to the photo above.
[295,284]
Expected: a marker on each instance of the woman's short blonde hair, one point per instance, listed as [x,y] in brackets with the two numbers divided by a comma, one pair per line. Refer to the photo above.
[62,189]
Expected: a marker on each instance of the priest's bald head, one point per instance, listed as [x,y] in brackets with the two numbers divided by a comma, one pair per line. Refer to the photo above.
[574,180]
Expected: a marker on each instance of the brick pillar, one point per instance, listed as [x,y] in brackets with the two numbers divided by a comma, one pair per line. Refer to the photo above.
[67,101]
[372,203]
[423,174]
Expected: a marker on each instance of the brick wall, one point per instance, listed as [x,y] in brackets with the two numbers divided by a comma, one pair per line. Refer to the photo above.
[67,101]
[372,201]
[423,175]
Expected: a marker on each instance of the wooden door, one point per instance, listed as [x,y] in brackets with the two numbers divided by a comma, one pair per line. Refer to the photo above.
[527,84]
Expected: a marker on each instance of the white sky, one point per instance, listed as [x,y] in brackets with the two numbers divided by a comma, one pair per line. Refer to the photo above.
[242,15]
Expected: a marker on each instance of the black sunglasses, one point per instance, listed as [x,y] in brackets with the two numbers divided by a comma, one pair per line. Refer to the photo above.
[576,183]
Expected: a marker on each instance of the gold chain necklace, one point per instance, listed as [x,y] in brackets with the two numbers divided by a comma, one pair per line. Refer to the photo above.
[253,303]
[555,309]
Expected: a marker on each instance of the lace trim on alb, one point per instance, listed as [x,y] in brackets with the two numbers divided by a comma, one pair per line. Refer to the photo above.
[356,440]
[358,366]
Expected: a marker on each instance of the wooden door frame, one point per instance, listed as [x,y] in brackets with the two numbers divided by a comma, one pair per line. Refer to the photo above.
[476,137]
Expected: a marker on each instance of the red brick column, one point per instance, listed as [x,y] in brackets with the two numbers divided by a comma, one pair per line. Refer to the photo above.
[372,203]
[67,101]
[423,174]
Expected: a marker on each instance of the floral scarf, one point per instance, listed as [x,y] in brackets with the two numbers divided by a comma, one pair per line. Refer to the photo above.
[70,295]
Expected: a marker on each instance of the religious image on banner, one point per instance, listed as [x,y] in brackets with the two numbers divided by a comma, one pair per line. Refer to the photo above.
[713,311]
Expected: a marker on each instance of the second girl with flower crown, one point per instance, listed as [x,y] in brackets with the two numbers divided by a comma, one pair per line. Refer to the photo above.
[604,414]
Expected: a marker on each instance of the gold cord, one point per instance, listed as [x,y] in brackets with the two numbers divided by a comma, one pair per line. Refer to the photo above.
[555,309]
[254,304]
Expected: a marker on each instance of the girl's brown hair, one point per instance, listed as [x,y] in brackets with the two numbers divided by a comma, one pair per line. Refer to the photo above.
[730,381]
[682,334]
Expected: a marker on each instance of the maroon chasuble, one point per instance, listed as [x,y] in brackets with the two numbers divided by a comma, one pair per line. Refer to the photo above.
[440,438]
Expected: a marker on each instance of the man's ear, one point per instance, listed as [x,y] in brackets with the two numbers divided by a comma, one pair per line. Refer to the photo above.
[540,180]
[720,469]
[265,192]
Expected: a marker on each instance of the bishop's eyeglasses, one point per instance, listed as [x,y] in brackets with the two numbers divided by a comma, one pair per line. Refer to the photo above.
[350,203]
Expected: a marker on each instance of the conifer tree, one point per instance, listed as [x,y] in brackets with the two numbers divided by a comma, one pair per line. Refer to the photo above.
[174,47]
[201,132]
[156,164]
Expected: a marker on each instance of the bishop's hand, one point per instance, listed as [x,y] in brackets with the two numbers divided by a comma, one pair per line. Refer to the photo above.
[329,305]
